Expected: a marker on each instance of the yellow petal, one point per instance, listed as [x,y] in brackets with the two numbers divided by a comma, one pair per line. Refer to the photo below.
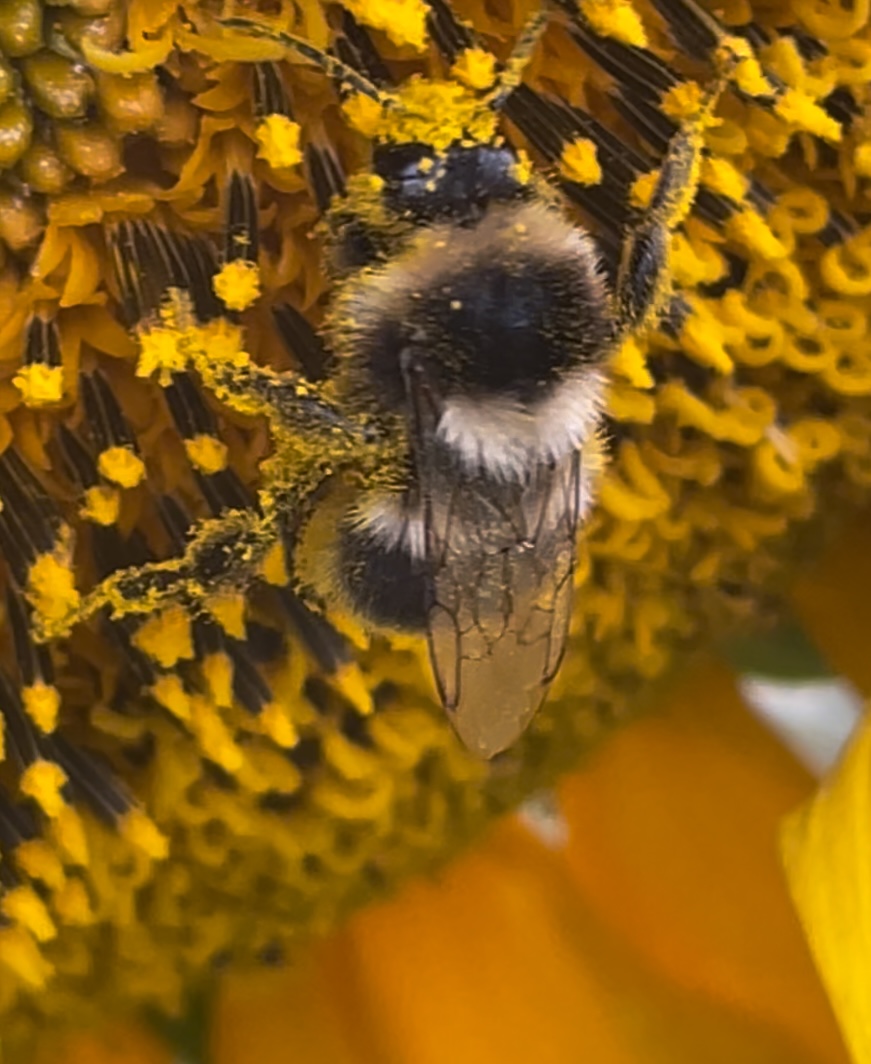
[827,854]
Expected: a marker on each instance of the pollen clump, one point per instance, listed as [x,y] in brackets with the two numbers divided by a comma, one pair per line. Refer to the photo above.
[237,284]
[44,781]
[39,384]
[166,637]
[278,138]
[476,68]
[579,162]
[42,703]
[404,21]
[206,453]
[122,466]
[51,586]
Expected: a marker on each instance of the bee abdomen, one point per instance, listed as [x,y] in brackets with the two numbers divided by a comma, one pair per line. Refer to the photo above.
[385,581]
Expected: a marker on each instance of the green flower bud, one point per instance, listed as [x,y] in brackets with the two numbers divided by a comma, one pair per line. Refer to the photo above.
[16,129]
[21,221]
[20,27]
[89,149]
[43,170]
[58,86]
[130,104]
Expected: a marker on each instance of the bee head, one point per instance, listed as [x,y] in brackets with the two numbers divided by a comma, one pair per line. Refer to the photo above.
[423,184]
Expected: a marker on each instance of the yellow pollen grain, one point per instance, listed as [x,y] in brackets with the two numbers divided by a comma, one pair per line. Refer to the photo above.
[143,833]
[23,957]
[456,304]
[862,159]
[166,637]
[275,723]
[630,363]
[50,587]
[642,189]
[219,342]
[38,859]
[721,176]
[278,142]
[40,385]
[23,906]
[218,674]
[214,736]
[437,113]
[617,19]
[522,169]
[748,228]
[274,567]
[363,114]
[229,612]
[683,100]
[404,21]
[579,162]
[748,76]
[801,110]
[43,781]
[206,453]
[169,691]
[68,833]
[475,68]
[161,350]
[41,703]
[72,905]
[354,685]
[237,284]
[102,505]
[122,466]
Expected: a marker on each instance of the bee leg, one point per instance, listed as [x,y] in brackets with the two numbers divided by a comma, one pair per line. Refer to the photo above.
[332,67]
[512,72]
[643,287]
[225,554]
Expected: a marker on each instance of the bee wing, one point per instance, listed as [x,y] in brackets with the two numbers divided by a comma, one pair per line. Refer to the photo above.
[501,558]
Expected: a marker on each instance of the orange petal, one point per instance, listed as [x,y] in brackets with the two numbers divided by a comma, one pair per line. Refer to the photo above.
[120,1044]
[664,933]
[674,829]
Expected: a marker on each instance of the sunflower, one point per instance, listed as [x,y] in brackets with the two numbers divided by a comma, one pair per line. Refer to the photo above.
[183,790]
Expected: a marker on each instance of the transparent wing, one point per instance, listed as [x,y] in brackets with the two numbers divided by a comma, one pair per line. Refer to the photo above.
[503,565]
[502,560]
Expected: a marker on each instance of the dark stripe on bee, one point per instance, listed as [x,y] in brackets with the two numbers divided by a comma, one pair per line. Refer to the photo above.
[385,582]
[506,328]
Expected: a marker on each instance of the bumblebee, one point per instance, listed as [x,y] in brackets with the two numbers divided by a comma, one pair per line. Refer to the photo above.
[470,332]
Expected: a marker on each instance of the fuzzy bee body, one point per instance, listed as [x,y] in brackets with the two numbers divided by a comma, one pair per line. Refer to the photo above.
[468,341]
[484,332]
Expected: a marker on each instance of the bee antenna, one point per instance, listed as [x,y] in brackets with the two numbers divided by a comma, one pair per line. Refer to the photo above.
[332,67]
[511,74]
